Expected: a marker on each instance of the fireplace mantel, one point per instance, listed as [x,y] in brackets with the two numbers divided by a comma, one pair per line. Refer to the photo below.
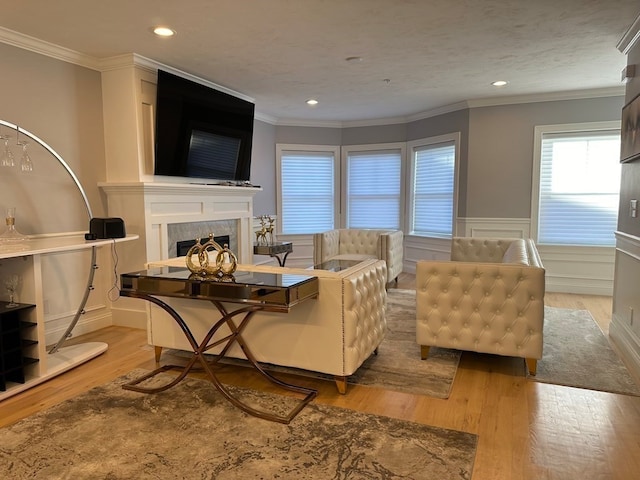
[195,188]
[149,207]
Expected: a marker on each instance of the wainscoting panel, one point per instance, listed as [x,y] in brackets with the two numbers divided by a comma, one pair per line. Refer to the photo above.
[583,270]
[423,248]
[494,227]
[302,255]
[624,329]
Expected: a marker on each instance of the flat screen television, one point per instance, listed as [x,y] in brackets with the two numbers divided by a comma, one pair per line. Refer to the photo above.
[201,132]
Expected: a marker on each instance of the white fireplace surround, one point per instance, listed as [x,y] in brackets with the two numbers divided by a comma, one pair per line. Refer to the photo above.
[149,208]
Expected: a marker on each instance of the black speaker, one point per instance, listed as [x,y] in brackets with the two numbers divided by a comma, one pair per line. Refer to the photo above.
[107,228]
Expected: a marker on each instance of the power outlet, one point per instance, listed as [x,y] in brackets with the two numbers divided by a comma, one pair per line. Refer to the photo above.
[633,208]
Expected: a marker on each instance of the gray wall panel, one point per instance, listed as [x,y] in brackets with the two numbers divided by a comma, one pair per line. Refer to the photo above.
[501,150]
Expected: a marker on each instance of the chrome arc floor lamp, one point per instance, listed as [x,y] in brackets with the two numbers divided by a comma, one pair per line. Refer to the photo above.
[81,308]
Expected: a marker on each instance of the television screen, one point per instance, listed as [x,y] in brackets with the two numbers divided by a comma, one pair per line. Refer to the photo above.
[201,132]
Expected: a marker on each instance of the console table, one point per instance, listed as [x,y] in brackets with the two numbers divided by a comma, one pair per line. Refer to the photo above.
[36,365]
[250,291]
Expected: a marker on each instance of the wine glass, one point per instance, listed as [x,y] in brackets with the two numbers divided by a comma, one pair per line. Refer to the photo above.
[25,160]
[11,283]
[7,159]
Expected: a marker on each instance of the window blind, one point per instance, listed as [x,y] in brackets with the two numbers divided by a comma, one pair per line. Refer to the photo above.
[434,175]
[373,189]
[579,188]
[307,189]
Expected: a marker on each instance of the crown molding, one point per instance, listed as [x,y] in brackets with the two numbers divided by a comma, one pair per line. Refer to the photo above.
[374,122]
[48,49]
[630,37]
[130,60]
[116,62]
[300,122]
[263,117]
[548,97]
[467,104]
[436,112]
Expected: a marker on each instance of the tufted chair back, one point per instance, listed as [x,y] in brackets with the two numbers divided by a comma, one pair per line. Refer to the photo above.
[476,249]
[361,244]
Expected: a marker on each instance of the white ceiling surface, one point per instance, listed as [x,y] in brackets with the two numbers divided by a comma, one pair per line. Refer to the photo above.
[436,53]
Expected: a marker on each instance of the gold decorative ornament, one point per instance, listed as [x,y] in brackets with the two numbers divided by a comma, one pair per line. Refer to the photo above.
[221,265]
[267,226]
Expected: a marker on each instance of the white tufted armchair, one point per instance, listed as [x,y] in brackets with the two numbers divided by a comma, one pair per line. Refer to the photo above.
[489,299]
[361,244]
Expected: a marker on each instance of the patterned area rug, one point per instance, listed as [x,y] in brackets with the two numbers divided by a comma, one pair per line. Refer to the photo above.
[577,354]
[191,432]
[397,366]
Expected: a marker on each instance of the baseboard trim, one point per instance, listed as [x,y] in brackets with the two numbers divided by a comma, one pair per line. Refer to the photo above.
[626,342]
[85,325]
[129,318]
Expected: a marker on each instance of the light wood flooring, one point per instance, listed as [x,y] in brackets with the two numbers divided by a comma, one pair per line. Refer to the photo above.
[526,430]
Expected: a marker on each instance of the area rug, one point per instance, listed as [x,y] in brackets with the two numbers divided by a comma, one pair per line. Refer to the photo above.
[577,354]
[191,432]
[397,366]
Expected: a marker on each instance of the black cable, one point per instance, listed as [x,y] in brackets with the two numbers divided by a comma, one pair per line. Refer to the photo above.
[116,286]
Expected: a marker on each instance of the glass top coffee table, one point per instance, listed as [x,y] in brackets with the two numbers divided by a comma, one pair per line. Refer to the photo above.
[250,292]
[335,265]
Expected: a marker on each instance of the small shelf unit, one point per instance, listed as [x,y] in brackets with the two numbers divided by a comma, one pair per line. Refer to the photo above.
[18,344]
[24,360]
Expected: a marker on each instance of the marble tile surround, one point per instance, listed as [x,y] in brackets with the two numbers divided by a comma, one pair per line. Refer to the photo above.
[177,232]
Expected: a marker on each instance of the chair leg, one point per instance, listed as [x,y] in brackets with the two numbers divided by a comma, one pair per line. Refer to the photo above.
[158,352]
[424,351]
[341,384]
[532,365]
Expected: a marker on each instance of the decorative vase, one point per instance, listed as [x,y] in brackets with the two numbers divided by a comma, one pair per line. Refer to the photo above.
[11,235]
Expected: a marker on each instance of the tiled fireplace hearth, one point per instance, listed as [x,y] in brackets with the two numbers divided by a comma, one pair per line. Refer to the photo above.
[163,214]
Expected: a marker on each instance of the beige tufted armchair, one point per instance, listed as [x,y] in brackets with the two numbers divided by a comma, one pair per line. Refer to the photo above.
[361,244]
[489,298]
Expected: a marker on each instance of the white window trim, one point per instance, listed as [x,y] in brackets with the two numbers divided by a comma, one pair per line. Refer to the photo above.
[374,147]
[410,190]
[287,147]
[539,131]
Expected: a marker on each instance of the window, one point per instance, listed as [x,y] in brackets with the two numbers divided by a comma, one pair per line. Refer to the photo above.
[308,185]
[373,187]
[578,184]
[433,186]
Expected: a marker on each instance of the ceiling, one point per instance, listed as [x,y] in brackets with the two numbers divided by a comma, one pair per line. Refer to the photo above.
[417,55]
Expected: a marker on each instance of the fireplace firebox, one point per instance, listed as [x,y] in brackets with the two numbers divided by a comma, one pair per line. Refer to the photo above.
[183,246]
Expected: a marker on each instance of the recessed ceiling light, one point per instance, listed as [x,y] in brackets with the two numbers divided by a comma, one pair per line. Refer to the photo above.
[499,83]
[164,31]
[312,102]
